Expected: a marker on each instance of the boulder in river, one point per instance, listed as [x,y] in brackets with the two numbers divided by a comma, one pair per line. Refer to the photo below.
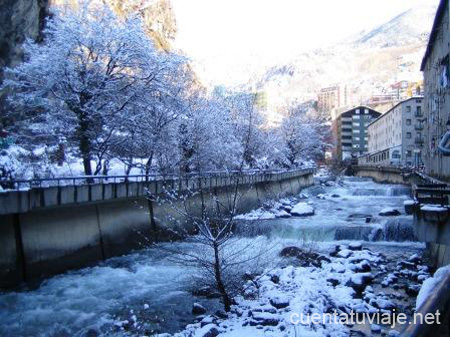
[388,211]
[355,245]
[198,309]
[302,209]
[358,216]
[291,251]
[209,330]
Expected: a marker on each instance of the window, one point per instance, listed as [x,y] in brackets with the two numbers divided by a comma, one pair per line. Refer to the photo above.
[408,122]
[409,153]
[396,154]
[356,124]
[356,117]
[357,111]
[419,111]
[408,108]
[366,111]
[408,135]
[357,139]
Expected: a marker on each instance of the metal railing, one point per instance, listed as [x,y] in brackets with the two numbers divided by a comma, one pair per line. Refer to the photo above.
[27,184]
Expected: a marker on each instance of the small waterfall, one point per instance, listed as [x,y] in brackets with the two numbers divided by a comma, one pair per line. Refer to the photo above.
[370,192]
[399,230]
[391,191]
[359,233]
[396,191]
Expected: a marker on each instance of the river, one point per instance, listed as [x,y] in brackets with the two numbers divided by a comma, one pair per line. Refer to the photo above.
[146,292]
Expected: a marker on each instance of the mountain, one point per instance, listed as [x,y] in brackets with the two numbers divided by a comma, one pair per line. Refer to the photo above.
[409,27]
[366,63]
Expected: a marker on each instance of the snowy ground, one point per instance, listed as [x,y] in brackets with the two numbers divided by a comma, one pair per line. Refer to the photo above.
[143,293]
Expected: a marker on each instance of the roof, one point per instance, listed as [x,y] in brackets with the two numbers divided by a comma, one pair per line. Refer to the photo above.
[358,107]
[393,108]
[434,31]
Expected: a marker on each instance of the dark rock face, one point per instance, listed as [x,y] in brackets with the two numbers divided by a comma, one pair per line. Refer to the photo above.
[19,19]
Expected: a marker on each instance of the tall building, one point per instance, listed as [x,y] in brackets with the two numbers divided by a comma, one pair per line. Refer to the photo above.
[436,71]
[332,97]
[396,137]
[350,132]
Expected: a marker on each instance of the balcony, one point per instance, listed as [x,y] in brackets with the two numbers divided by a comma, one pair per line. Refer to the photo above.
[418,114]
[418,127]
[419,141]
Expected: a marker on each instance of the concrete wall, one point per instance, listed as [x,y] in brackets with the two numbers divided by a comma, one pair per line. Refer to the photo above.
[384,175]
[434,229]
[53,233]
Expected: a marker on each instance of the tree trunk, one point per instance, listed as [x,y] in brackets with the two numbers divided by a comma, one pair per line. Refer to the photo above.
[85,147]
[148,166]
[219,282]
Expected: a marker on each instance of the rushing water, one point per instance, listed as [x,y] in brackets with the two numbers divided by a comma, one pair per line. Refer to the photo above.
[147,292]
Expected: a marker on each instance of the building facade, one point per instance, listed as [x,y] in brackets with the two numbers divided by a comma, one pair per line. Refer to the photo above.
[396,137]
[350,132]
[332,97]
[436,71]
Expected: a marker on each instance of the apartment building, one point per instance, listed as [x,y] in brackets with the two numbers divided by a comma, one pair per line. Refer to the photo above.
[436,71]
[332,97]
[350,132]
[396,137]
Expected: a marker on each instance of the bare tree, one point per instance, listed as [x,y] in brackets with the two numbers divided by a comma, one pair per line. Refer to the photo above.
[217,254]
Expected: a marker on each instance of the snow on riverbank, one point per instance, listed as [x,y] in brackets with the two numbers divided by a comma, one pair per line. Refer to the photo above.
[430,285]
[284,296]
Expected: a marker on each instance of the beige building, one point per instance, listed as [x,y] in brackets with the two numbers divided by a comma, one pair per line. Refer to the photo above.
[333,97]
[396,138]
[436,71]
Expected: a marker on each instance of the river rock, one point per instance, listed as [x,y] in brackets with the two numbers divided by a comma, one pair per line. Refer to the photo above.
[359,281]
[345,253]
[282,214]
[415,259]
[389,212]
[265,319]
[375,328]
[279,301]
[381,303]
[362,267]
[209,330]
[198,309]
[291,251]
[275,278]
[302,209]
[221,314]
[355,246]
[333,281]
[412,289]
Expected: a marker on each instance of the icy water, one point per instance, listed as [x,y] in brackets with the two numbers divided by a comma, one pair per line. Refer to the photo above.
[146,292]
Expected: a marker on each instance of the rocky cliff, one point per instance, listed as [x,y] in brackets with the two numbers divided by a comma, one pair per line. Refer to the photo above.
[19,19]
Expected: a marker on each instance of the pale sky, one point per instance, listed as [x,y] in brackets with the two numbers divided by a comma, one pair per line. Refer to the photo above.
[228,39]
